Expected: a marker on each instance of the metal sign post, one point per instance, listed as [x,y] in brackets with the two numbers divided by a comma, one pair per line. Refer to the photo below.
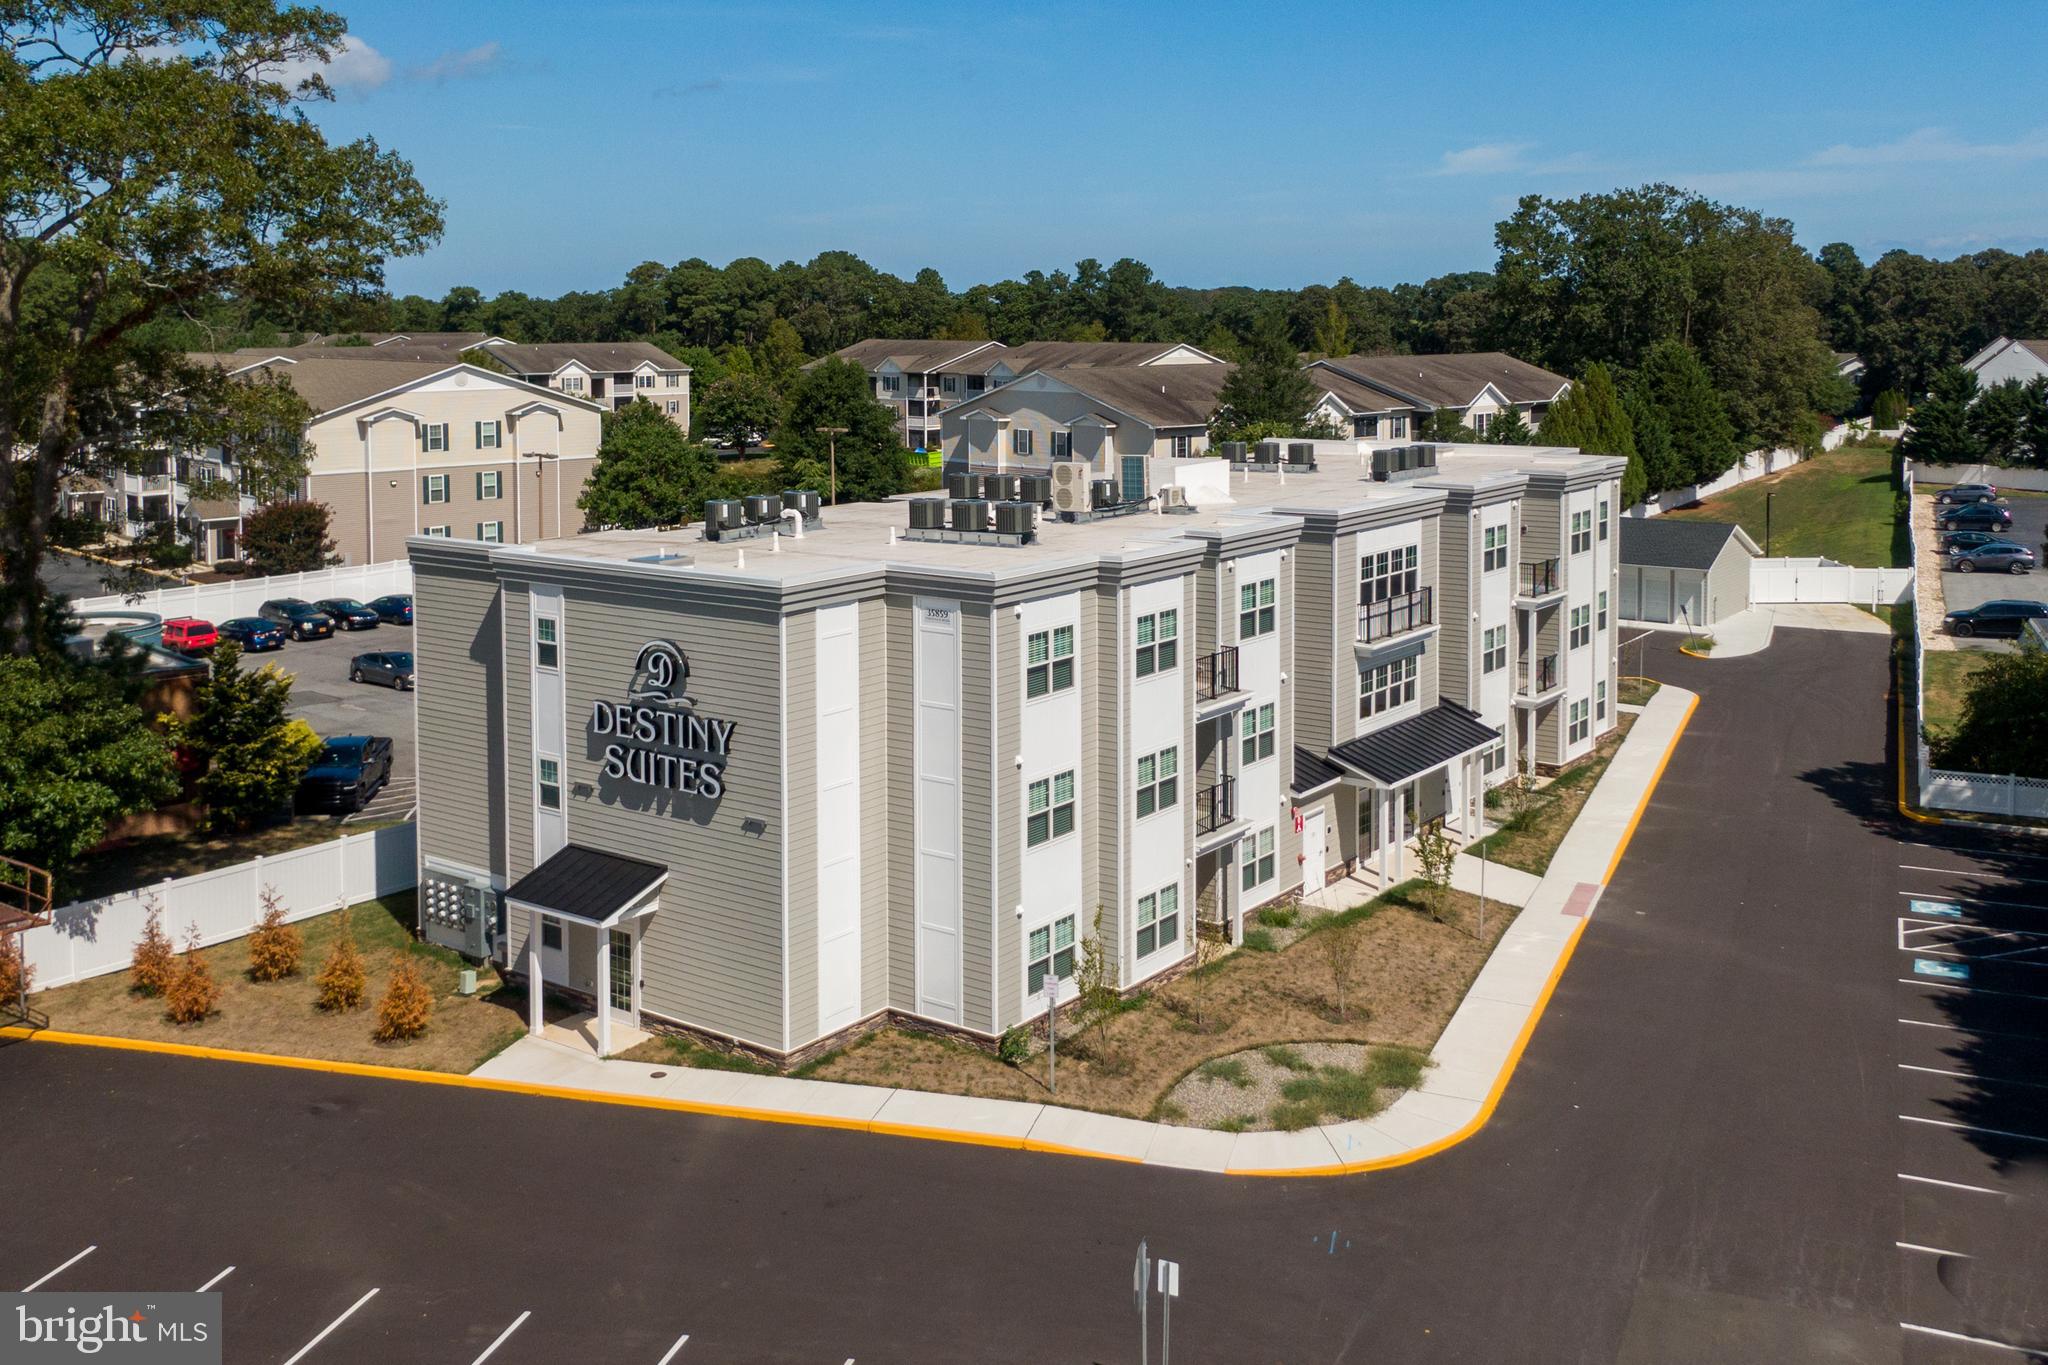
[1141,1277]
[1052,1031]
[1169,1290]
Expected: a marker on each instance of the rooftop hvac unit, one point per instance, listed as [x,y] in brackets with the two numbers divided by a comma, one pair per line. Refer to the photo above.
[1174,498]
[763,508]
[1014,518]
[722,515]
[970,514]
[1234,451]
[1037,488]
[1425,457]
[1002,487]
[1301,453]
[1069,488]
[927,514]
[1102,493]
[1382,463]
[1269,452]
[804,501]
[962,484]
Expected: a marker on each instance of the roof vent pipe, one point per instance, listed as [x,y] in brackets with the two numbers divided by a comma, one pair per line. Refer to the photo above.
[796,520]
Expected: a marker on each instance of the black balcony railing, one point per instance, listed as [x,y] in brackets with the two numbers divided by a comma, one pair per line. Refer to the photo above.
[1542,678]
[1539,577]
[1216,806]
[1396,615]
[1216,674]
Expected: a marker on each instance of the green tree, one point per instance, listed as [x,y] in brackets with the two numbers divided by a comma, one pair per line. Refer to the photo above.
[738,410]
[779,358]
[259,424]
[1677,385]
[1508,428]
[1651,469]
[1998,421]
[75,755]
[1268,384]
[241,727]
[1593,418]
[1333,331]
[287,537]
[648,473]
[1445,424]
[870,454]
[152,158]
[1940,432]
[2034,427]
[1888,410]
[2000,729]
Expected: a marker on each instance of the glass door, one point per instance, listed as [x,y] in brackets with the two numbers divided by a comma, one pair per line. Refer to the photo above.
[620,993]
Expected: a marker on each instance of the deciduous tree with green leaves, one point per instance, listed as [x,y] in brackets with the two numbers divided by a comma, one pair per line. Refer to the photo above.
[241,727]
[287,537]
[738,410]
[154,156]
[2000,729]
[648,473]
[871,457]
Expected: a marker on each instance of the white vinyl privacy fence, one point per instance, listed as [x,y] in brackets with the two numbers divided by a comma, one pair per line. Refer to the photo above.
[95,937]
[241,597]
[1823,580]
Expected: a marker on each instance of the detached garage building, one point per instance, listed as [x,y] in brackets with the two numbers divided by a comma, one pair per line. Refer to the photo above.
[1694,572]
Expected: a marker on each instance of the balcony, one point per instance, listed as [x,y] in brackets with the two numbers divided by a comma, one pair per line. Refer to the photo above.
[1216,674]
[1216,806]
[1541,581]
[1538,682]
[1395,616]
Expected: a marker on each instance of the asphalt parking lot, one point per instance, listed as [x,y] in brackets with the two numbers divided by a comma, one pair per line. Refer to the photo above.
[2029,527]
[324,697]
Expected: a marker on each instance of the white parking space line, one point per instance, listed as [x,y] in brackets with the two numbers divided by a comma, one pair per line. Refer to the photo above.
[1975,872]
[300,1354]
[216,1280]
[1949,1184]
[1970,1128]
[62,1268]
[1971,1076]
[1974,990]
[1974,1341]
[501,1337]
[2001,853]
[673,1349]
[1979,900]
[1933,1251]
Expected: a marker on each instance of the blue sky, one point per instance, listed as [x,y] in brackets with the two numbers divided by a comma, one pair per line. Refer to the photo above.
[1269,144]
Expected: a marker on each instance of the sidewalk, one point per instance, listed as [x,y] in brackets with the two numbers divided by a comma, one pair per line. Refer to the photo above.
[1472,1061]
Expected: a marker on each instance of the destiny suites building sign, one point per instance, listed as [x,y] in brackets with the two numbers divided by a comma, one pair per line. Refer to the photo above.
[776,790]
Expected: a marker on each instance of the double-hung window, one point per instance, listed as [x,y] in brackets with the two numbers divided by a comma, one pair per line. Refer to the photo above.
[671,380]
[1582,627]
[433,488]
[1049,662]
[1255,856]
[1494,757]
[434,436]
[1158,780]
[1158,642]
[1159,920]
[1582,532]
[643,381]
[1020,441]
[547,642]
[892,384]
[1063,445]
[1258,733]
[1397,427]
[1493,552]
[437,532]
[1183,446]
[1255,611]
[491,532]
[1386,687]
[490,485]
[1052,954]
[548,781]
[1580,726]
[1600,699]
[1493,649]
[1388,574]
[1603,611]
[1367,428]
[1603,518]
[572,383]
[675,406]
[489,435]
[1049,812]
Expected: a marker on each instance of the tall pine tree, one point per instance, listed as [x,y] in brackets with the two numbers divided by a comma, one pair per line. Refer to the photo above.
[1940,432]
[1677,385]
[1268,387]
[1593,418]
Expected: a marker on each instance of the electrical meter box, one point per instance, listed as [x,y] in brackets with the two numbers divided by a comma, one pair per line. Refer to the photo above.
[458,910]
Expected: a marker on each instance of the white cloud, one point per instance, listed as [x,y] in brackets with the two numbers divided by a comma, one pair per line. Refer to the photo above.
[355,65]
[455,66]
[1933,145]
[1487,158]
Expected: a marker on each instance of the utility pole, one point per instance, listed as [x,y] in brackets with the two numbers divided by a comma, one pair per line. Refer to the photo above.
[832,435]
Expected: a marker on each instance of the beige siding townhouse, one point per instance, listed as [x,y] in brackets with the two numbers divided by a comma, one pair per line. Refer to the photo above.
[1389,397]
[1112,417]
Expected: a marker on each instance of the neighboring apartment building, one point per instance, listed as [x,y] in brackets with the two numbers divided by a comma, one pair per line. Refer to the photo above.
[780,788]
[1111,417]
[920,378]
[1389,397]
[2006,359]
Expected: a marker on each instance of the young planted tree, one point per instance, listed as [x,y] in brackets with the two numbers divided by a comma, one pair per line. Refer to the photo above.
[241,727]
[192,994]
[17,974]
[1508,428]
[1339,946]
[155,962]
[342,981]
[1098,1000]
[275,949]
[648,473]
[1206,949]
[1435,854]
[407,1007]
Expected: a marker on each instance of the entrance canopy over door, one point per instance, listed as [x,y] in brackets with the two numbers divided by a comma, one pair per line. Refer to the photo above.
[602,890]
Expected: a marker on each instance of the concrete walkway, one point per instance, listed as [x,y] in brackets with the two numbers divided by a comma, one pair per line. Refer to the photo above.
[1470,1065]
[1749,631]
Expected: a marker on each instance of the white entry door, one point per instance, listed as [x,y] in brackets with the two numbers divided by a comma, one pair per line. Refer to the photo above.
[1315,849]
[622,983]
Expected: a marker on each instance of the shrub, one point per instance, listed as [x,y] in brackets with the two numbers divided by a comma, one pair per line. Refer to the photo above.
[1014,1047]
[407,1005]
[1279,916]
[1259,941]
[341,982]
[275,948]
[1230,1070]
[154,965]
[192,994]
[17,978]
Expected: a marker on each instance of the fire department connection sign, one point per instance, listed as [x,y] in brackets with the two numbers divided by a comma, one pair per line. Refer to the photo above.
[654,738]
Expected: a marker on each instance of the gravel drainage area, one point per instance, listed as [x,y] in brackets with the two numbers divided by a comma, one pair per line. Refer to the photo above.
[1290,1086]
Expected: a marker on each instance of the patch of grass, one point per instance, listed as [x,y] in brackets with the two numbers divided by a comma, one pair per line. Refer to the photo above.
[1259,941]
[1946,683]
[1698,644]
[1279,916]
[1285,1057]
[1226,1069]
[1527,841]
[686,1052]
[1637,691]
[1838,505]
[1340,1093]
[1236,1123]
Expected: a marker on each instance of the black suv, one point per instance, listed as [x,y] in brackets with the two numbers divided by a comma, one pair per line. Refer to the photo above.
[300,618]
[1973,516]
[2006,617]
[350,770]
[348,613]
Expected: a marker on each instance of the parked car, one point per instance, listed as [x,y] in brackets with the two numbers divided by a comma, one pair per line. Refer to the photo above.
[190,635]
[1973,516]
[1992,555]
[1967,492]
[394,608]
[300,618]
[391,668]
[348,613]
[1963,540]
[349,771]
[253,633]
[2007,617]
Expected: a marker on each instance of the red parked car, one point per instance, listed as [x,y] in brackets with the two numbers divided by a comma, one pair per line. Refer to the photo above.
[190,635]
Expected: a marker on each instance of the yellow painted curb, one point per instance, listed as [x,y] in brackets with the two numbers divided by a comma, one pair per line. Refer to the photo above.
[1693,653]
[917,1131]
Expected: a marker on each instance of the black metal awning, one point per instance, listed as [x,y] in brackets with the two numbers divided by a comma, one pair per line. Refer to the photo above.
[1409,748]
[1313,772]
[588,886]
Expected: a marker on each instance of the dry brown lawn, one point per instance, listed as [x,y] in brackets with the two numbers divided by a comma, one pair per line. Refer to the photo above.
[1409,975]
[280,1016]
[1527,840]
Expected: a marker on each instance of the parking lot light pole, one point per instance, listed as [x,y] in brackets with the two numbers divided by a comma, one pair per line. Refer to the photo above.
[832,435]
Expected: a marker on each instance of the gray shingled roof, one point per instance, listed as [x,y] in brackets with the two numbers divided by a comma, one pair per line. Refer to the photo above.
[605,357]
[916,355]
[1441,381]
[1413,746]
[1161,395]
[584,884]
[1669,543]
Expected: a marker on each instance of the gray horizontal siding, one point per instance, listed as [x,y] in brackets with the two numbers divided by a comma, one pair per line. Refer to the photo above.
[459,709]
